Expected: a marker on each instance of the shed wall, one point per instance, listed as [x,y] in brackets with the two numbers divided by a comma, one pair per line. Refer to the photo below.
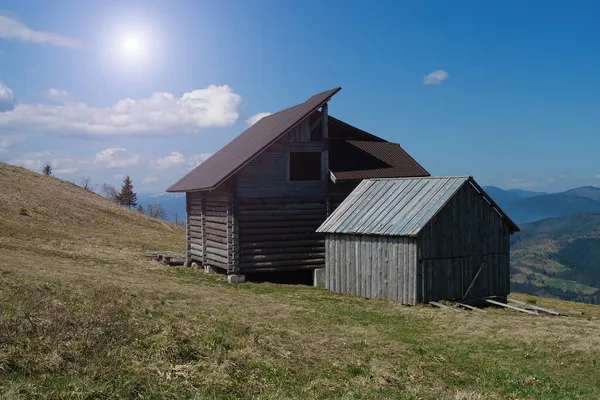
[466,233]
[377,267]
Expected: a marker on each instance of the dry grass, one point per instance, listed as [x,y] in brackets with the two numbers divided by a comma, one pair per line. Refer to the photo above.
[83,315]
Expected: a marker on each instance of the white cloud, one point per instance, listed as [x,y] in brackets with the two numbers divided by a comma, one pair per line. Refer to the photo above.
[6,142]
[117,157]
[8,100]
[60,96]
[13,29]
[257,117]
[36,161]
[177,159]
[150,179]
[436,77]
[159,114]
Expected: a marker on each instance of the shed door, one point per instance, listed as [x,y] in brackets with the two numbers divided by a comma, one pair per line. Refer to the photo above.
[449,278]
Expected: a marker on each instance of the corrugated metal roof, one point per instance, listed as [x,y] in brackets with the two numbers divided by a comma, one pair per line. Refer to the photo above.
[249,144]
[398,207]
[372,159]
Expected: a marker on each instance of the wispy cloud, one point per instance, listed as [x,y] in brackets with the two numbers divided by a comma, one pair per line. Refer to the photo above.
[36,161]
[257,117]
[57,95]
[178,160]
[117,157]
[159,114]
[150,179]
[12,29]
[436,77]
[8,100]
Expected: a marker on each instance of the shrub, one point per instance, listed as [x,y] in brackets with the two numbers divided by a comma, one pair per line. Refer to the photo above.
[22,211]
[531,300]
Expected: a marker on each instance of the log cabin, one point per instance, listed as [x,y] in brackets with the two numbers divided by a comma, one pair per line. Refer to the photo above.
[254,205]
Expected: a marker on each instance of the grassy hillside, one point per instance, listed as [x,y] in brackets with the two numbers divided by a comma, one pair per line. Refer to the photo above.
[559,257]
[83,315]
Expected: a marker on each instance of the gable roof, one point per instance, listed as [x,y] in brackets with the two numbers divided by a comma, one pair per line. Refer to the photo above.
[354,160]
[249,144]
[398,207]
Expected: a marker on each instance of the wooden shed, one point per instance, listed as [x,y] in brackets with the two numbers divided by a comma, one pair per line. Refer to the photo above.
[418,240]
[255,204]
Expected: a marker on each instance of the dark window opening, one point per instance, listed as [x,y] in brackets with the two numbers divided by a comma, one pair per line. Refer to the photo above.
[305,166]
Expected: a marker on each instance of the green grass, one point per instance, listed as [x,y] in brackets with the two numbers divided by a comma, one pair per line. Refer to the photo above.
[84,316]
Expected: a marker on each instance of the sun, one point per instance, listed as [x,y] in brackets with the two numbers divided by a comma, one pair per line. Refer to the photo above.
[132,46]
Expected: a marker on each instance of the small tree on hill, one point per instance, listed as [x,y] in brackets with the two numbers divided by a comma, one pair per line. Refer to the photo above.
[155,210]
[109,192]
[47,170]
[140,209]
[86,183]
[127,197]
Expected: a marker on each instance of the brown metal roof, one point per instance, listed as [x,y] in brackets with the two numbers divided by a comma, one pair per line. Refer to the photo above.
[353,160]
[248,145]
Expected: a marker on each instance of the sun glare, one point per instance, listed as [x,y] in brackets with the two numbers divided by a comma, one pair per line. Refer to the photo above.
[132,46]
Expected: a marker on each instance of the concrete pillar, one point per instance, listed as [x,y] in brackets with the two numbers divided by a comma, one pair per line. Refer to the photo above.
[319,277]
[208,269]
[236,278]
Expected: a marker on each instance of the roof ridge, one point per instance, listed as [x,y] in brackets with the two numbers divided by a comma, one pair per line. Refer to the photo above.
[421,177]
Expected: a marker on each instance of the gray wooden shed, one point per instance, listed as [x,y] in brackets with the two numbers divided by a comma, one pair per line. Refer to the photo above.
[417,240]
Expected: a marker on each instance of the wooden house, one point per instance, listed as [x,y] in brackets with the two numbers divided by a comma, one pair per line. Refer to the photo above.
[418,240]
[255,204]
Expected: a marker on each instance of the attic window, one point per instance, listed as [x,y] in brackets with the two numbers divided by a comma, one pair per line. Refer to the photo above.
[305,166]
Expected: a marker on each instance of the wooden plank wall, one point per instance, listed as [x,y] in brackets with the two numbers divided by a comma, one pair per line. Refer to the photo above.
[279,234]
[454,244]
[211,226]
[376,267]
[195,245]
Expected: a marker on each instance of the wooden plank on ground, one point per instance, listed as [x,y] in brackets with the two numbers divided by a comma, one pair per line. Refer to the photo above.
[497,303]
[439,305]
[527,305]
[472,308]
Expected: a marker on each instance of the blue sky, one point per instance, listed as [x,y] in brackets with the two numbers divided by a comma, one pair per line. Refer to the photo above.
[514,101]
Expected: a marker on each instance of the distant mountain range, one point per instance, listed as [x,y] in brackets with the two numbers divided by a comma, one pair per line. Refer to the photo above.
[524,206]
[521,205]
[558,257]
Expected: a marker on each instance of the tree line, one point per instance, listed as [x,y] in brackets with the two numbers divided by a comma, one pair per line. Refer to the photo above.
[125,197]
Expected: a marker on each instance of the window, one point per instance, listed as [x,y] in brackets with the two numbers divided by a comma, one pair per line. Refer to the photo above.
[305,166]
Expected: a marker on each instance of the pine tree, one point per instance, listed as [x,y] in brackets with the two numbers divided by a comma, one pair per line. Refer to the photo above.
[127,197]
[47,170]
[140,209]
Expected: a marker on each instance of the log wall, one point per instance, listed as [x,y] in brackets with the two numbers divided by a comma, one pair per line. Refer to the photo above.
[279,234]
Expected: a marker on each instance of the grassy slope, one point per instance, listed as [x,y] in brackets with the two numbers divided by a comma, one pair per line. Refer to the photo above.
[83,315]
